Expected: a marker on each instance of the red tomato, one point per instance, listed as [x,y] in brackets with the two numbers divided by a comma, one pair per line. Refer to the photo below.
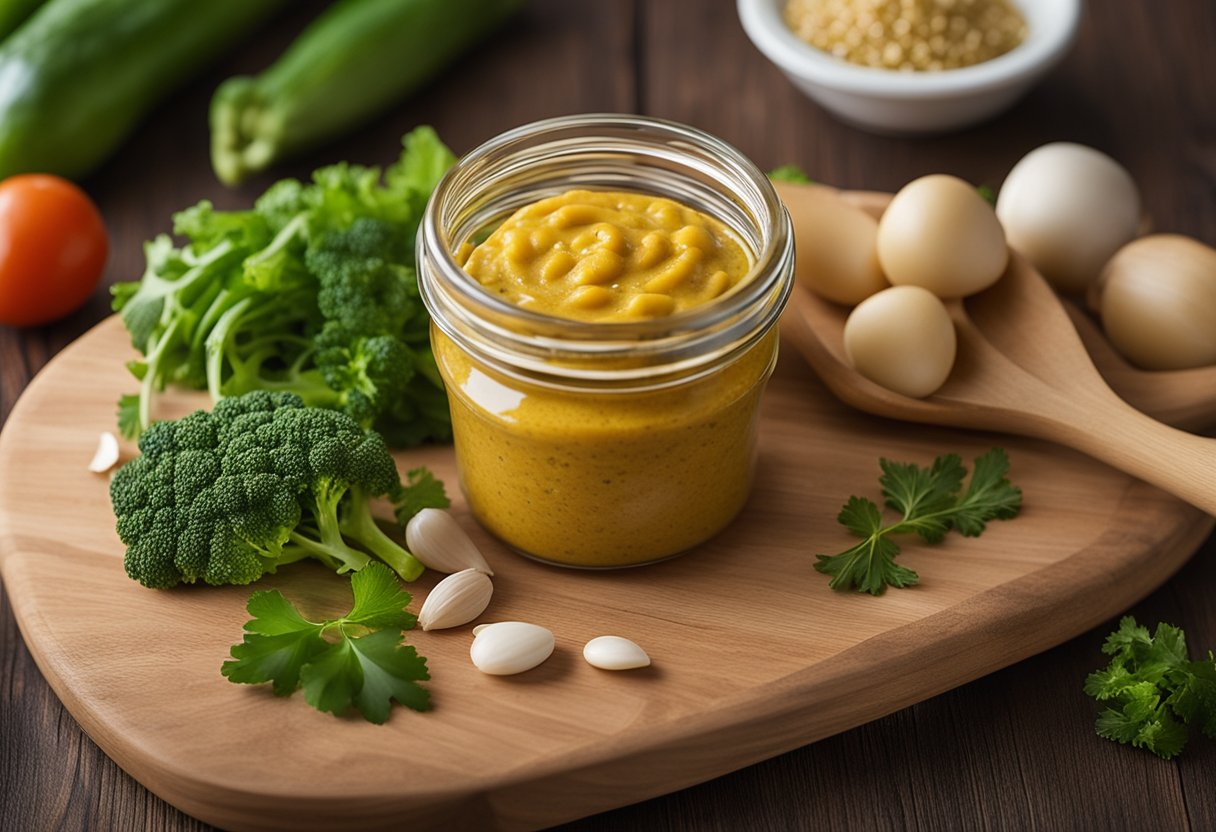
[52,249]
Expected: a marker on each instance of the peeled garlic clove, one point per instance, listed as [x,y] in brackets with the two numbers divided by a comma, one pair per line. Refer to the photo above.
[106,455]
[509,647]
[477,630]
[436,539]
[615,653]
[1158,302]
[456,600]
[902,338]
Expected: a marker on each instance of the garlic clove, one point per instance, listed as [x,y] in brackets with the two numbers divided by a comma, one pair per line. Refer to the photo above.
[436,539]
[456,600]
[106,455]
[615,653]
[508,647]
[477,630]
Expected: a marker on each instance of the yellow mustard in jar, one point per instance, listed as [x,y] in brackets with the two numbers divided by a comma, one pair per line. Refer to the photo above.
[609,256]
[604,351]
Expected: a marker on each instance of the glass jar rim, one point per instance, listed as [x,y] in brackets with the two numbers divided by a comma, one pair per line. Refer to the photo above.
[526,339]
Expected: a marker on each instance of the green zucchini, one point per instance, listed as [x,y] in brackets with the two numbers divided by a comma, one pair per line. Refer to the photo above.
[79,75]
[354,60]
[14,12]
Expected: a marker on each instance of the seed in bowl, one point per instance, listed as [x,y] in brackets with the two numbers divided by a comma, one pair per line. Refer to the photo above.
[908,35]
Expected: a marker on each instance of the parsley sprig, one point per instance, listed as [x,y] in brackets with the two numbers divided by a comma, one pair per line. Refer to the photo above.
[420,490]
[931,501]
[354,660]
[790,173]
[1153,690]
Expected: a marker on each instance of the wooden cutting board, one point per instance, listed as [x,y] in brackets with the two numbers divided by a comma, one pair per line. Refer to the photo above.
[753,654]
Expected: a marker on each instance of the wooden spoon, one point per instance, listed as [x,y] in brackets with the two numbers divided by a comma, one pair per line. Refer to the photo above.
[1182,398]
[1021,368]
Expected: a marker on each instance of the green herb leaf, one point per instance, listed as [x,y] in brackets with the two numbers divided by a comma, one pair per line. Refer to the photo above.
[363,671]
[379,601]
[790,173]
[421,490]
[332,678]
[925,497]
[869,567]
[1194,695]
[930,504]
[1154,690]
[390,672]
[990,496]
[278,643]
[128,416]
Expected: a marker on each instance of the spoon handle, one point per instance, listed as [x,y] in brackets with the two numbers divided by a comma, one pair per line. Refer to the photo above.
[1175,461]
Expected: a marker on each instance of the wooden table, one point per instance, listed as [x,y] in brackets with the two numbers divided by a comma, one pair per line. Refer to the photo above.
[1015,750]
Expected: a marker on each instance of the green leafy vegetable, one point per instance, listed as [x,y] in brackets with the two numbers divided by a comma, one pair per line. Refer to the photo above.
[987,193]
[356,660]
[312,292]
[931,502]
[226,496]
[1153,690]
[790,173]
[421,490]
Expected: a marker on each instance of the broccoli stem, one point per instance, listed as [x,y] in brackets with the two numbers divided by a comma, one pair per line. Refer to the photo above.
[359,525]
[327,495]
[340,558]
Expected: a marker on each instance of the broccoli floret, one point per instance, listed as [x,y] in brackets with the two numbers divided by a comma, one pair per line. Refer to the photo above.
[227,496]
[370,303]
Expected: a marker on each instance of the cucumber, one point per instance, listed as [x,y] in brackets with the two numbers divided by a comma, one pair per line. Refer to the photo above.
[354,60]
[79,75]
[14,12]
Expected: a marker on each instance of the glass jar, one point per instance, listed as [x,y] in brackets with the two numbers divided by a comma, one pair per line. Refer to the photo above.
[604,444]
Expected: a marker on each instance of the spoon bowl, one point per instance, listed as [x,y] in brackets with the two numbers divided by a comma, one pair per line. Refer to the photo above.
[1183,398]
[1021,368]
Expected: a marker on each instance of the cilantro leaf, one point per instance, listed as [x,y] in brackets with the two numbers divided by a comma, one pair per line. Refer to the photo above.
[350,668]
[1154,690]
[379,601]
[789,173]
[1154,730]
[930,504]
[278,643]
[924,497]
[1194,696]
[278,659]
[861,517]
[332,679]
[128,415]
[390,671]
[274,615]
[869,566]
[990,496]
[420,490]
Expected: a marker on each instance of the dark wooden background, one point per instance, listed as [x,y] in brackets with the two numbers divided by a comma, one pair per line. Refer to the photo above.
[1015,750]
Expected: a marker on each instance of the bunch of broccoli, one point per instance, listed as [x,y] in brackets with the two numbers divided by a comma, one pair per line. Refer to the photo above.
[262,480]
[313,292]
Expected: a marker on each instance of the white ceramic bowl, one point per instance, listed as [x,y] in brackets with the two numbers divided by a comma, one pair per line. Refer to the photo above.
[887,101]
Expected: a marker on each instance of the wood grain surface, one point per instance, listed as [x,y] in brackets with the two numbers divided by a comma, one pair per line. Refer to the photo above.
[753,653]
[1014,750]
